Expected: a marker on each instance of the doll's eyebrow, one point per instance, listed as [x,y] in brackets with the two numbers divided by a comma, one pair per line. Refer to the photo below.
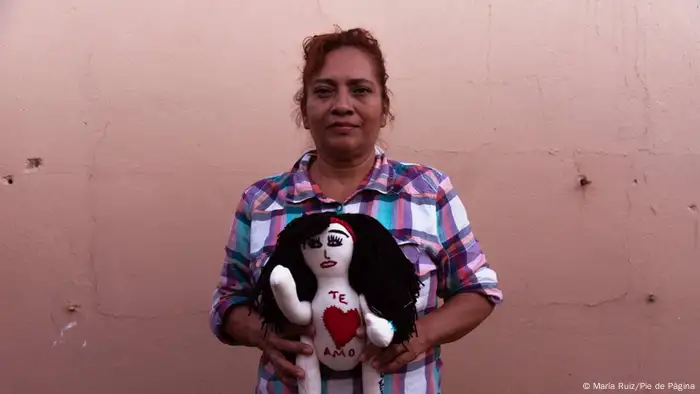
[339,232]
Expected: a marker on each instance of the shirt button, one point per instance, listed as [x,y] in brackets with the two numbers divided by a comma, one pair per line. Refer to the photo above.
[339,208]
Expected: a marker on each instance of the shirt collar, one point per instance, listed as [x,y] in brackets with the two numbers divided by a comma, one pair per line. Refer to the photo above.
[380,179]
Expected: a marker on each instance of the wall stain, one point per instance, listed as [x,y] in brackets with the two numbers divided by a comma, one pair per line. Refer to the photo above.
[584,181]
[34,162]
[61,339]
[72,307]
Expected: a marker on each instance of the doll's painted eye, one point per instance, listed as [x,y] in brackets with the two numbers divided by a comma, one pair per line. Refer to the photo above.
[334,240]
[314,243]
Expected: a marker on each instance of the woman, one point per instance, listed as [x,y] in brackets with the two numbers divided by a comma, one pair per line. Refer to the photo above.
[344,103]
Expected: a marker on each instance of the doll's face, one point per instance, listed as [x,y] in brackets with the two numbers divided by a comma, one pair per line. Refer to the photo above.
[329,253]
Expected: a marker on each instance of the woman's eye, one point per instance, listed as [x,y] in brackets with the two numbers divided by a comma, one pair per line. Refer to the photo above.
[323,92]
[362,90]
[314,243]
[334,240]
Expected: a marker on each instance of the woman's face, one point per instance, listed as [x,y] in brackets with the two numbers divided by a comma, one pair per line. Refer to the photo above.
[344,109]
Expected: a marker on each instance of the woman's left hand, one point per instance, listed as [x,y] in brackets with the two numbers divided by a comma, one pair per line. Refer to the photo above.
[393,357]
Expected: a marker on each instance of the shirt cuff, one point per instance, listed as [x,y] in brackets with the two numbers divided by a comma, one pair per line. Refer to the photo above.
[219,315]
[490,292]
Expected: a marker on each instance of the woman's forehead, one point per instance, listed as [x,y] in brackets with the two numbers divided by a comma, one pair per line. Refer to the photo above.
[348,63]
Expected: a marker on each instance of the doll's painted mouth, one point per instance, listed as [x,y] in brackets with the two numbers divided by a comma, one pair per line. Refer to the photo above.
[328,264]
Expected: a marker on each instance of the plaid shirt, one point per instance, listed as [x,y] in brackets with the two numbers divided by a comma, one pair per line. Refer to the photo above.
[418,204]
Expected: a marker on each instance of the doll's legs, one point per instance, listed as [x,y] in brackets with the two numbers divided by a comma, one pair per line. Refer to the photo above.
[311,384]
[371,379]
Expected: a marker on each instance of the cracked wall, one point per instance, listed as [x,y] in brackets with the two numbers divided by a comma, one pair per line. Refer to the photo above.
[147,122]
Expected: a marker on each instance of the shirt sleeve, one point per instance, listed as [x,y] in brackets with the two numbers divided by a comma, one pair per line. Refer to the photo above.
[236,280]
[463,266]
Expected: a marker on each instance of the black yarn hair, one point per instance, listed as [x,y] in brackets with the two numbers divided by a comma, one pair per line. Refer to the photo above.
[379,270]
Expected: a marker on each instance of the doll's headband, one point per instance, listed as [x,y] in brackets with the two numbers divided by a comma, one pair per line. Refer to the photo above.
[346,225]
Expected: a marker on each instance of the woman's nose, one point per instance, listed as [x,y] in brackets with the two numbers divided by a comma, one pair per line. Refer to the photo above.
[325,254]
[342,107]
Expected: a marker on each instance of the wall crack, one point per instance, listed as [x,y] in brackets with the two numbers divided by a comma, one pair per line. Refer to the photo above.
[93,216]
[641,76]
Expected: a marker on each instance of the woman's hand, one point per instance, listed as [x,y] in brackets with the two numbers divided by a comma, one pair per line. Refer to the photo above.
[275,346]
[393,357]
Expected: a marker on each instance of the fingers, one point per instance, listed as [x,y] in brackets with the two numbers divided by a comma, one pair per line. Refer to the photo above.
[291,382]
[275,350]
[360,333]
[401,360]
[388,355]
[294,331]
[284,369]
[393,358]
[309,331]
[370,351]
[295,347]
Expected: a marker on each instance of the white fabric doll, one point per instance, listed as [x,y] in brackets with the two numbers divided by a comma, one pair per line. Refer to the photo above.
[339,272]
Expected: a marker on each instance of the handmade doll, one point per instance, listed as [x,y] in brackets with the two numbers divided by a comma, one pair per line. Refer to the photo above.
[339,272]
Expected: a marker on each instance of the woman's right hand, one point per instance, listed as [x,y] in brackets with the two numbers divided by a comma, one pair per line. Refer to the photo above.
[274,347]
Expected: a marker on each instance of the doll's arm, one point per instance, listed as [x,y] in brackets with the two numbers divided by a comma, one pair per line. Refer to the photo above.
[285,291]
[379,331]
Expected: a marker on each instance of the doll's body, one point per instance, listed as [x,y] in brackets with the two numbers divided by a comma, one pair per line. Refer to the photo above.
[329,299]
[336,317]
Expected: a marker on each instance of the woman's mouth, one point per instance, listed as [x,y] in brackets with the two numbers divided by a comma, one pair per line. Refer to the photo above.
[342,126]
[328,264]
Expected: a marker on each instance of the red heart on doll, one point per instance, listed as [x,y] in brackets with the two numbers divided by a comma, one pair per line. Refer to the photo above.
[342,325]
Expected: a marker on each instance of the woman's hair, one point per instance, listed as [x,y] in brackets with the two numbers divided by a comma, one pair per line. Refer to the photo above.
[379,270]
[317,47]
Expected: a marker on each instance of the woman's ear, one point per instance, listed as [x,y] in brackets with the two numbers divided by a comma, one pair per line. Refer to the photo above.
[305,122]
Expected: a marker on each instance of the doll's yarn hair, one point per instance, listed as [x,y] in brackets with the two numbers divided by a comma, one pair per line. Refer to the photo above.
[379,269]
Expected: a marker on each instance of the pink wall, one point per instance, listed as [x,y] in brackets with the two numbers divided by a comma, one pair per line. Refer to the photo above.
[152,116]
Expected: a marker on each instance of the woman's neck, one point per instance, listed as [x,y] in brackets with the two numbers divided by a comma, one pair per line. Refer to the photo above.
[340,178]
[343,170]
